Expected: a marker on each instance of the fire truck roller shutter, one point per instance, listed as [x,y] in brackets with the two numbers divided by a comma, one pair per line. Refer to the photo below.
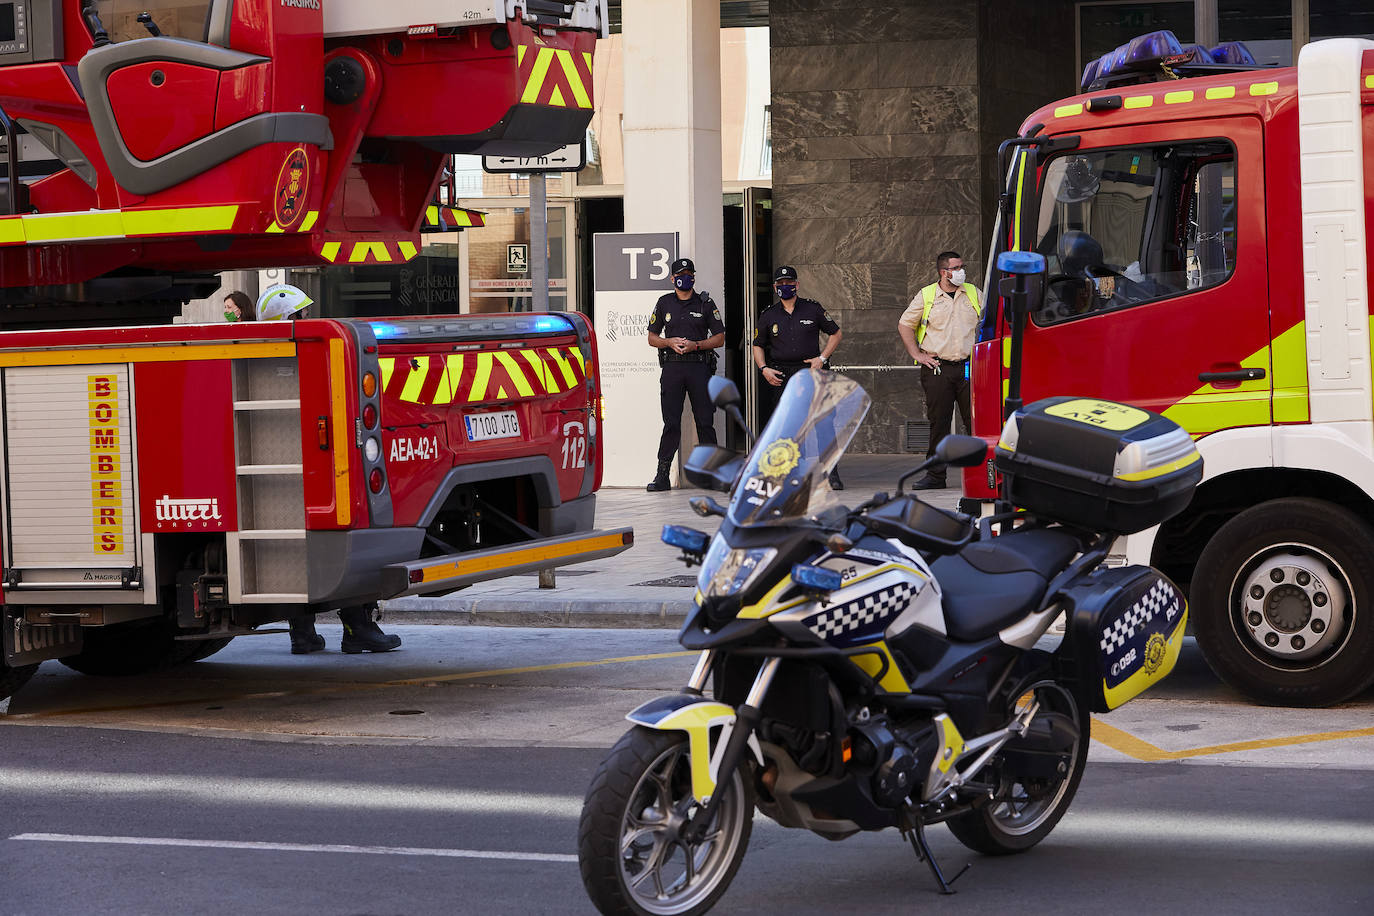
[94,72]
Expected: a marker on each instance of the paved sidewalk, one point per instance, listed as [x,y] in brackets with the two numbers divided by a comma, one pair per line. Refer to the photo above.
[646,586]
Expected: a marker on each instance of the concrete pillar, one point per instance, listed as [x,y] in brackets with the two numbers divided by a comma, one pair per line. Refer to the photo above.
[672,139]
[672,128]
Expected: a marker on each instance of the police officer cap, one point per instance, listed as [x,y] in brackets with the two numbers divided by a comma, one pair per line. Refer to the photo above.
[682,264]
[784,273]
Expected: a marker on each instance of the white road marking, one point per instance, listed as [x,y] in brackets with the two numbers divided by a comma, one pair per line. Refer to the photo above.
[278,793]
[298,847]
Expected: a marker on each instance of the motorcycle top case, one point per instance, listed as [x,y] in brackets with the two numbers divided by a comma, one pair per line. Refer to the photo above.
[1126,628]
[1097,464]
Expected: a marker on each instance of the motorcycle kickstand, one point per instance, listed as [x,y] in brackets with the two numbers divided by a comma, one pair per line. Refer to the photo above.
[917,836]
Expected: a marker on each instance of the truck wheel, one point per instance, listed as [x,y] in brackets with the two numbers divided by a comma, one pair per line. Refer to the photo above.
[12,678]
[128,648]
[1283,597]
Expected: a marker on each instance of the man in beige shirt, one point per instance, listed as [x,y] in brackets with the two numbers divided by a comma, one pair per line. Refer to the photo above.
[938,329]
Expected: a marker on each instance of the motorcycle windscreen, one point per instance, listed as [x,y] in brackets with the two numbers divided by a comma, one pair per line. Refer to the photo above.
[786,477]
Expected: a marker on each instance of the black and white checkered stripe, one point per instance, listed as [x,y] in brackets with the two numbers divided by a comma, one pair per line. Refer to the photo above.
[1123,629]
[847,618]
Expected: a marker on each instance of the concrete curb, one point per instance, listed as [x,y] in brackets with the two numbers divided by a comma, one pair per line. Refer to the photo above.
[618,614]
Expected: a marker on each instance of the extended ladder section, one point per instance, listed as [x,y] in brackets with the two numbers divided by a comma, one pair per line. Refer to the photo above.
[266,556]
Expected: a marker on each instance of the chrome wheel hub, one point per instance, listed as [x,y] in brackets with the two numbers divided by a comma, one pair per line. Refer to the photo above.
[1293,604]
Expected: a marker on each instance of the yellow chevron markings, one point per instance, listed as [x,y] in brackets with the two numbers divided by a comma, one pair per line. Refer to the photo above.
[388,366]
[577,355]
[579,91]
[537,75]
[330,251]
[479,383]
[522,384]
[563,366]
[448,381]
[419,371]
[541,373]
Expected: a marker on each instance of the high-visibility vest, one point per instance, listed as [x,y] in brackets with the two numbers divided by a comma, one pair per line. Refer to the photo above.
[928,295]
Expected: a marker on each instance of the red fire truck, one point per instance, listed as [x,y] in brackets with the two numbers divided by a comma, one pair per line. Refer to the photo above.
[167,488]
[1208,230]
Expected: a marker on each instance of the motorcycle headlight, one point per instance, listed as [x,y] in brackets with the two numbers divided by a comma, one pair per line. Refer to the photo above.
[727,571]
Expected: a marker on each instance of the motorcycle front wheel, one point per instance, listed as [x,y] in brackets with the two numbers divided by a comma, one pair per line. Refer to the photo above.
[1027,806]
[630,846]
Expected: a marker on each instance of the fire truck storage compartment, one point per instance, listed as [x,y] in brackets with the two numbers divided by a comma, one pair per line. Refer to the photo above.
[1097,464]
[266,556]
[69,483]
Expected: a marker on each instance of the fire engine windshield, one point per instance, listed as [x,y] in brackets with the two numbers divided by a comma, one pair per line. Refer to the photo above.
[1120,227]
[174,18]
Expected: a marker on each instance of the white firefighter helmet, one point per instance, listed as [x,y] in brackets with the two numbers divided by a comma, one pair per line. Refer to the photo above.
[281,301]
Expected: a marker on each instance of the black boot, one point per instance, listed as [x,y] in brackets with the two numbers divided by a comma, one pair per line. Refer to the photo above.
[304,639]
[835,482]
[361,633]
[660,481]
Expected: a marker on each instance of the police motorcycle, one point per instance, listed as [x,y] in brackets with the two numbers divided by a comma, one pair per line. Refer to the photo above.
[879,666]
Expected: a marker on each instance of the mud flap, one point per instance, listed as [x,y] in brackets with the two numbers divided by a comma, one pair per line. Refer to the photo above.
[28,644]
[697,717]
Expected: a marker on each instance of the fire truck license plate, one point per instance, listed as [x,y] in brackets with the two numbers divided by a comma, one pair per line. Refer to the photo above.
[504,424]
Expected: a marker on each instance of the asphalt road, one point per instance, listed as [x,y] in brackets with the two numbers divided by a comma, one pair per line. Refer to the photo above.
[309,793]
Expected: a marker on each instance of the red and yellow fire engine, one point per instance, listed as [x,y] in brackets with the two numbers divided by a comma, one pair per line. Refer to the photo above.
[1208,226]
[168,488]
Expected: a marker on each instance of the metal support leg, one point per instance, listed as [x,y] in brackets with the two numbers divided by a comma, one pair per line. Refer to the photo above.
[917,837]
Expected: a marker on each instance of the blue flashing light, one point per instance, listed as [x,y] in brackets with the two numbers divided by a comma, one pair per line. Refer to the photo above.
[551,324]
[1089,74]
[684,538]
[1145,50]
[1111,61]
[1021,262]
[1198,54]
[1234,53]
[384,331]
[817,578]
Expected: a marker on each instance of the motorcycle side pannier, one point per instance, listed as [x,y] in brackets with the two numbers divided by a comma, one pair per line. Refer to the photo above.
[1097,464]
[1126,628]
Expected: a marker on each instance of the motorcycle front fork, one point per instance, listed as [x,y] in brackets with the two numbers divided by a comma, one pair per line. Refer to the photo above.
[747,717]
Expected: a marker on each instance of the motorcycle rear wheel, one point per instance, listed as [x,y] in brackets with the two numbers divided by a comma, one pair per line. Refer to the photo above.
[632,857]
[1026,810]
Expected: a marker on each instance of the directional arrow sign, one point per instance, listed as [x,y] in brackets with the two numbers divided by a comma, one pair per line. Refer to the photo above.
[571,158]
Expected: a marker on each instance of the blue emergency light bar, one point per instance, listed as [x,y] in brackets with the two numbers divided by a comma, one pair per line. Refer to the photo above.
[468,327]
[1147,55]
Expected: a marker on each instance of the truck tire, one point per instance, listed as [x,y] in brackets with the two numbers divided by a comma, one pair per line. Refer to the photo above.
[12,678]
[1283,600]
[128,648]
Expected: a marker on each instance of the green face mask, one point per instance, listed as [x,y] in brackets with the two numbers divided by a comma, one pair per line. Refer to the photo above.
[230,316]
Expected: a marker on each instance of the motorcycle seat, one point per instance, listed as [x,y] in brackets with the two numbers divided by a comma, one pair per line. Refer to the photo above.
[991,584]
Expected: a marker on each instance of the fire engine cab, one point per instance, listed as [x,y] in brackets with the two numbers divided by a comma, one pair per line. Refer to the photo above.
[1207,226]
[168,488]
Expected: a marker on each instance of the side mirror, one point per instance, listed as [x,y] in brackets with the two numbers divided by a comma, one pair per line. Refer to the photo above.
[723,392]
[712,467]
[961,451]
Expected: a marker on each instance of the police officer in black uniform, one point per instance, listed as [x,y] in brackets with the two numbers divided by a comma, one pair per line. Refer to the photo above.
[686,329]
[787,340]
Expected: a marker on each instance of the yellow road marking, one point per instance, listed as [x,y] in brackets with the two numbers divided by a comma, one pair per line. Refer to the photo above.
[1128,744]
[346,688]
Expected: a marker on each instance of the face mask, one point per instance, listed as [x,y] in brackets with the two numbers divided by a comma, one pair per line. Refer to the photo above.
[957,277]
[786,291]
[684,281]
[230,316]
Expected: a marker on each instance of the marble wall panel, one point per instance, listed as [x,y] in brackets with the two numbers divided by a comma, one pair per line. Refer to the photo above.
[801,171]
[845,113]
[834,26]
[944,109]
[827,67]
[840,199]
[889,286]
[933,62]
[914,169]
[841,288]
[916,199]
